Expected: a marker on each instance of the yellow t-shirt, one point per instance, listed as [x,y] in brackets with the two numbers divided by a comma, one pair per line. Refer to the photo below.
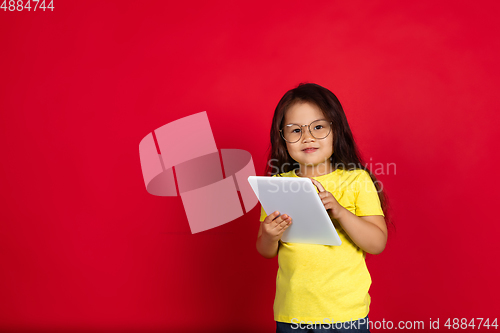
[323,283]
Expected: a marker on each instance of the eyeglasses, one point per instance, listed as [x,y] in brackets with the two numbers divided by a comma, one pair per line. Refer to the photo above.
[319,129]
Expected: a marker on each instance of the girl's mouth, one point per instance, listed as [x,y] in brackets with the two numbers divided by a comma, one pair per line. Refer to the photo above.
[310,150]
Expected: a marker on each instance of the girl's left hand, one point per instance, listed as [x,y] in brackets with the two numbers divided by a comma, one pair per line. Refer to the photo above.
[331,204]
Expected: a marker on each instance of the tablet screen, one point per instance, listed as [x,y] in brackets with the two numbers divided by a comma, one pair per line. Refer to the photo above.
[298,198]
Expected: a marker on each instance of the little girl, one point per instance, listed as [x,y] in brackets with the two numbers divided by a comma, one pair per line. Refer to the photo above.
[321,288]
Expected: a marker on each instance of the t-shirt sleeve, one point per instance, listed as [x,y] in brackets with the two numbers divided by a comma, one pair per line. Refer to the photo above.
[367,200]
[263,214]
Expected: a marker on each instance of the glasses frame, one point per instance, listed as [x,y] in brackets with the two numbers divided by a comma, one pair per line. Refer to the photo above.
[309,127]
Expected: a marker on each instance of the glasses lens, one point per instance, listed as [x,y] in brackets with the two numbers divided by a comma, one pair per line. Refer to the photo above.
[320,129]
[291,133]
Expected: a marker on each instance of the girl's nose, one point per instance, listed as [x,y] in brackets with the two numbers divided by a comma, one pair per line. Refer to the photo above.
[306,136]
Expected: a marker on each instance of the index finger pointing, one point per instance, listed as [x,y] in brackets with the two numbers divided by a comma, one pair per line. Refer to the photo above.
[318,185]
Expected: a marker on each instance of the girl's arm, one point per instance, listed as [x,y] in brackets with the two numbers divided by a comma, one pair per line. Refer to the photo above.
[368,232]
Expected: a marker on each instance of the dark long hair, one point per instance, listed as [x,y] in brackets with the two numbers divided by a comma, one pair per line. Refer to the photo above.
[346,152]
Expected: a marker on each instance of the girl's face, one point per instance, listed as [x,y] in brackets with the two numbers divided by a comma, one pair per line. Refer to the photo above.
[312,154]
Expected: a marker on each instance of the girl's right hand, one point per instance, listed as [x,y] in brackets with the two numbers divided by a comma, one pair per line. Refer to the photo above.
[274,225]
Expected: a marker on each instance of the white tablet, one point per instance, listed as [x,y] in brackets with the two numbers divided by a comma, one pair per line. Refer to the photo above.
[298,198]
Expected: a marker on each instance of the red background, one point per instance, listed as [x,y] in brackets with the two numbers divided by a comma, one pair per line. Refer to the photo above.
[84,247]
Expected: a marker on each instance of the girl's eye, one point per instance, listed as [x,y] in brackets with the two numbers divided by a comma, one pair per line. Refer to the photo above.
[296,130]
[318,127]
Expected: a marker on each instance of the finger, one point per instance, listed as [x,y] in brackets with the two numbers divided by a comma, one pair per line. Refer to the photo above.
[331,199]
[271,217]
[283,219]
[318,185]
[327,200]
[326,195]
[280,217]
[327,204]
[284,226]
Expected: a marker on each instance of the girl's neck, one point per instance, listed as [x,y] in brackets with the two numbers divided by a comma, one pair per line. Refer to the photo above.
[314,170]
